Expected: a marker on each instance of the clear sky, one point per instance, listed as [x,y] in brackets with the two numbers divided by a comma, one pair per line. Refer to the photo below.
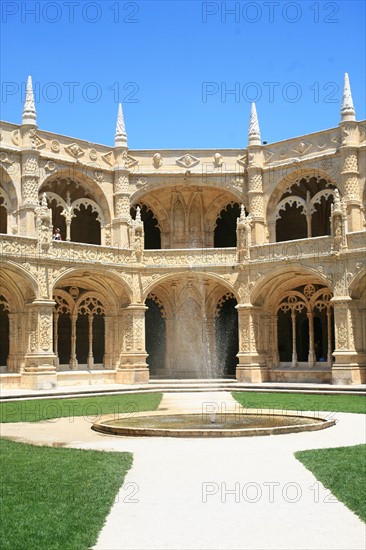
[185,71]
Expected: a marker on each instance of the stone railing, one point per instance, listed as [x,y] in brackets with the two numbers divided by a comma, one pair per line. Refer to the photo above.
[292,250]
[16,247]
[356,240]
[191,257]
[91,253]
[22,248]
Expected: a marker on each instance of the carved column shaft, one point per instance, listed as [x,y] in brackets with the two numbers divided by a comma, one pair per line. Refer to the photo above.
[40,353]
[275,354]
[73,359]
[121,200]
[132,364]
[252,365]
[312,356]
[90,359]
[350,175]
[329,334]
[13,342]
[294,351]
[30,182]
[255,192]
[55,338]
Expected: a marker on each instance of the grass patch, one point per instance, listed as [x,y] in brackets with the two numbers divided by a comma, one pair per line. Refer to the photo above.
[341,470]
[301,402]
[91,408]
[56,498]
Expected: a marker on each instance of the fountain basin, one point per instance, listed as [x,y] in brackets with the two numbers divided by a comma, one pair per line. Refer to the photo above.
[198,424]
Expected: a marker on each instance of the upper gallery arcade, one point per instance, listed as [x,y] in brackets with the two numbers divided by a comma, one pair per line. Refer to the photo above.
[247,263]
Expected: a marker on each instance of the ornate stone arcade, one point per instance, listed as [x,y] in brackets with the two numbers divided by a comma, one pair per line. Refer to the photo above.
[246,263]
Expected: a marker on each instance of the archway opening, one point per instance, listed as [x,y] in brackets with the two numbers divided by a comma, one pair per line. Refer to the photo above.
[58,220]
[284,336]
[291,225]
[304,209]
[85,227]
[225,230]
[82,339]
[227,338]
[98,338]
[4,335]
[155,336]
[3,217]
[64,338]
[152,238]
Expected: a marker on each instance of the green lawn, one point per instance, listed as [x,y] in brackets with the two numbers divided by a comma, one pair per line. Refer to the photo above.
[341,470]
[56,498]
[91,408]
[302,402]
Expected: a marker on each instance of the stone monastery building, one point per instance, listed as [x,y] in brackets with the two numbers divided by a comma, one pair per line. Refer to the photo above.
[242,263]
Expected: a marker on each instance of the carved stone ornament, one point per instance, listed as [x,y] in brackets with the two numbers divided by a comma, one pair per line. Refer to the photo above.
[55,146]
[187,161]
[157,160]
[218,160]
[74,150]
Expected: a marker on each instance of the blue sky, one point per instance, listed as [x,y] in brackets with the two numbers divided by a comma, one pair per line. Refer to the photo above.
[173,65]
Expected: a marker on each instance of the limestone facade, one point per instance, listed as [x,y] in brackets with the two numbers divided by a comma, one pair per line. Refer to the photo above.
[247,263]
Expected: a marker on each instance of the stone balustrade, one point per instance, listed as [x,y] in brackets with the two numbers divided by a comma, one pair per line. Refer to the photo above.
[26,248]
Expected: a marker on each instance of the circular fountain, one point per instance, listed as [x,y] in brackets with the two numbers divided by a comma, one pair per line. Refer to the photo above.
[199,424]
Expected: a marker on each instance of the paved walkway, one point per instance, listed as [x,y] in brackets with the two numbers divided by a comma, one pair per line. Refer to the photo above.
[231,493]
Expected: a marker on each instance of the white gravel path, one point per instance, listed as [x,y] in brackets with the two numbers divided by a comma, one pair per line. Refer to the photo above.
[230,493]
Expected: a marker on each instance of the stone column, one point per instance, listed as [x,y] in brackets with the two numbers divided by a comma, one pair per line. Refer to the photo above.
[255,194]
[121,200]
[132,367]
[55,338]
[274,332]
[40,371]
[108,342]
[30,183]
[312,356]
[73,359]
[350,175]
[345,369]
[329,336]
[90,360]
[252,366]
[13,342]
[294,351]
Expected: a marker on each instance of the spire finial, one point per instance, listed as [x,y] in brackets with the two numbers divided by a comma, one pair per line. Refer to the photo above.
[120,138]
[348,110]
[29,110]
[254,134]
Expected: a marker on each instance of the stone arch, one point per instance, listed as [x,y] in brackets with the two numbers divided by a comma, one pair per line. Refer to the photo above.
[4,331]
[156,333]
[225,227]
[115,289]
[189,301]
[216,206]
[290,198]
[209,275]
[227,334]
[22,285]
[152,232]
[303,326]
[269,287]
[84,313]
[8,202]
[357,285]
[17,290]
[77,200]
